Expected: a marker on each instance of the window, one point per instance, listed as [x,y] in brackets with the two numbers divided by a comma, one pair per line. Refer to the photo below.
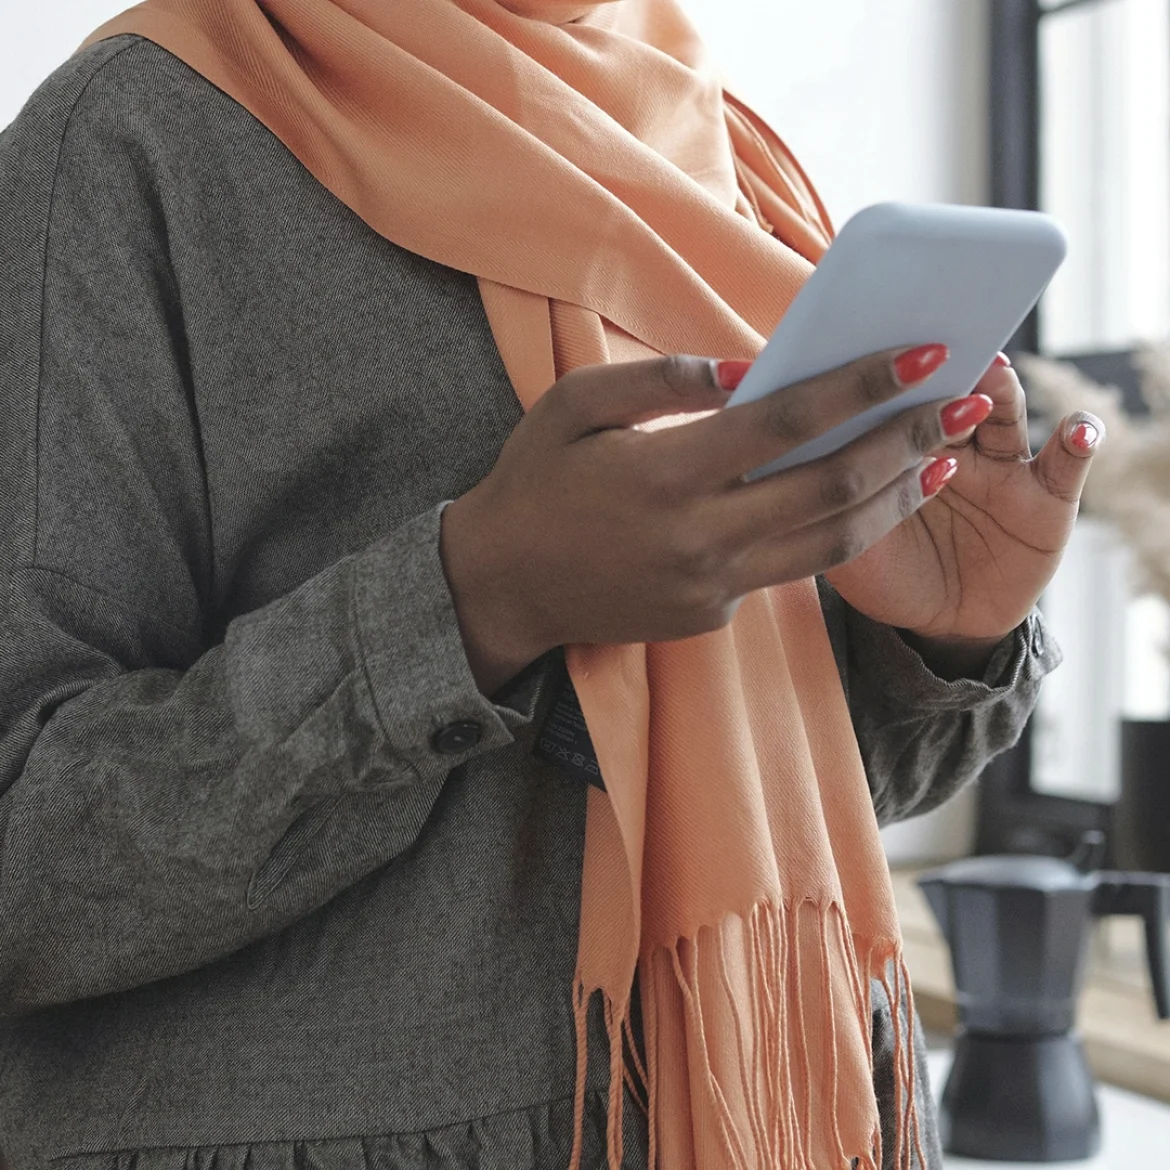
[1082,129]
[1105,172]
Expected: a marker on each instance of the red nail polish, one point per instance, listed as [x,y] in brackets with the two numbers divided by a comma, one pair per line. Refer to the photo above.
[1084,436]
[968,412]
[916,365]
[1003,361]
[936,476]
[730,374]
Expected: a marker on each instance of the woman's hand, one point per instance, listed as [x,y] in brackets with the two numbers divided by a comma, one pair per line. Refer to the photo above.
[967,568]
[588,530]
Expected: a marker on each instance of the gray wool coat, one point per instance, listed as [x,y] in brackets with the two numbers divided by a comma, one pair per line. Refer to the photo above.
[259,905]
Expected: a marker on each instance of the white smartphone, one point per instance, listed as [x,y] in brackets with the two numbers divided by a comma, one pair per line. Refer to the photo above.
[904,274]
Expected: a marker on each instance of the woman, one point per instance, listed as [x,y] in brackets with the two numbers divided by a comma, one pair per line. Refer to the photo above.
[307,855]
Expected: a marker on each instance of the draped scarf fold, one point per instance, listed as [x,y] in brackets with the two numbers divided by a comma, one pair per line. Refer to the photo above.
[585,163]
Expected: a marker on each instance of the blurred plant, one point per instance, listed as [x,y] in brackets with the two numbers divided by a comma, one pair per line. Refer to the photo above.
[1130,481]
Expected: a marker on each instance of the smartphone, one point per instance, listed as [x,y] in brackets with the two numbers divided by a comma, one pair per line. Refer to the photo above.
[905,274]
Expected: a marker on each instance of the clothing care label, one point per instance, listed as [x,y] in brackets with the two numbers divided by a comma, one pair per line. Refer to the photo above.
[563,740]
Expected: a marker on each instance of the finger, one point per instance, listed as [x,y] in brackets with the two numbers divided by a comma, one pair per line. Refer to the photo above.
[840,538]
[1064,462]
[727,446]
[595,398]
[847,478]
[1005,433]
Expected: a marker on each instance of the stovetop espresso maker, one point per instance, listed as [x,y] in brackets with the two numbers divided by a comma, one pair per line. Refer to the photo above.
[1020,1088]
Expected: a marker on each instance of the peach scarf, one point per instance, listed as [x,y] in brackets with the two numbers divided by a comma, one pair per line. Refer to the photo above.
[583,161]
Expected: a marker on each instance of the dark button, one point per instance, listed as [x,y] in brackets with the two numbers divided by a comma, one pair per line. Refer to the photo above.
[457,738]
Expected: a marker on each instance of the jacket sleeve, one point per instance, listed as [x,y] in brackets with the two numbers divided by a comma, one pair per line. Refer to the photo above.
[168,795]
[924,738]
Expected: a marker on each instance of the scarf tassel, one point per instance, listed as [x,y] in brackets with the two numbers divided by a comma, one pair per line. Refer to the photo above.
[743,999]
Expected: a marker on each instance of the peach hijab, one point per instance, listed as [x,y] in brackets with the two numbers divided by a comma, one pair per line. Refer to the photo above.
[584,162]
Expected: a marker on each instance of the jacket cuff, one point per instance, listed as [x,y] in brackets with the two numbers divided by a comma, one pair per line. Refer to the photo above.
[906,683]
[426,699]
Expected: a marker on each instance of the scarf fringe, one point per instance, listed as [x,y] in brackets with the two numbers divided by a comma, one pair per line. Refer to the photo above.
[757,1111]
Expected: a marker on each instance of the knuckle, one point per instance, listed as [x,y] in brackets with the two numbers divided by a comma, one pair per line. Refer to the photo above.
[665,485]
[924,433]
[842,486]
[1057,489]
[847,543]
[908,496]
[563,400]
[570,385]
[719,616]
[875,383]
[700,570]
[678,373]
[707,619]
[699,596]
[787,419]
[692,559]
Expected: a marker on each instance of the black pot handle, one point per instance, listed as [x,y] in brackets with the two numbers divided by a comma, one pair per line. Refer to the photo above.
[1146,894]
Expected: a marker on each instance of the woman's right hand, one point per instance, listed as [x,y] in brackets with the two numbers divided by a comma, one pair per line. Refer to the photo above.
[590,531]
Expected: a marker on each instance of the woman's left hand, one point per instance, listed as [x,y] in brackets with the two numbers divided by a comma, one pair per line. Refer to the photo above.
[970,564]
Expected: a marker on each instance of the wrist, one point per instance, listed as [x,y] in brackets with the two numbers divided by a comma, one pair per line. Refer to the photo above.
[953,658]
[499,637]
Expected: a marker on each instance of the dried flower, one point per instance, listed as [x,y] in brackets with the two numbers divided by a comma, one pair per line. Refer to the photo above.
[1130,480]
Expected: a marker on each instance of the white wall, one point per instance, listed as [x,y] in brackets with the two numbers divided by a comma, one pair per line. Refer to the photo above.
[36,38]
[879,100]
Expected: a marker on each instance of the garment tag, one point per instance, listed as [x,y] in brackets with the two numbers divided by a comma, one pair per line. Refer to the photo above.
[564,740]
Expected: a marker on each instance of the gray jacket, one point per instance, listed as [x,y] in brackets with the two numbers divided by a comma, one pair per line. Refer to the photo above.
[256,907]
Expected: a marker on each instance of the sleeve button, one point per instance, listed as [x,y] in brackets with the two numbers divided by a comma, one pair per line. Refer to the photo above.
[457,738]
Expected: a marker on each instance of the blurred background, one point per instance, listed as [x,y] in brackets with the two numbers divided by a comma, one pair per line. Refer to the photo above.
[1062,106]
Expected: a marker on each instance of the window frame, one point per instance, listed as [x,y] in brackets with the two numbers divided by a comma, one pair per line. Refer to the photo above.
[1012,816]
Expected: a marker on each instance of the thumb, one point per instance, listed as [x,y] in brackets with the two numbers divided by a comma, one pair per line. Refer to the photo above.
[597,398]
[1063,465]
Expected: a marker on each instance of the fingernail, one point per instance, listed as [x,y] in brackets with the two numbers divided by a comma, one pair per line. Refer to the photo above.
[730,374]
[935,477]
[1003,361]
[1084,436]
[916,365]
[968,412]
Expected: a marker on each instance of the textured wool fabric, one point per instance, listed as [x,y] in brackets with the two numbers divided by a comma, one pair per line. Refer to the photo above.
[584,163]
[248,911]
